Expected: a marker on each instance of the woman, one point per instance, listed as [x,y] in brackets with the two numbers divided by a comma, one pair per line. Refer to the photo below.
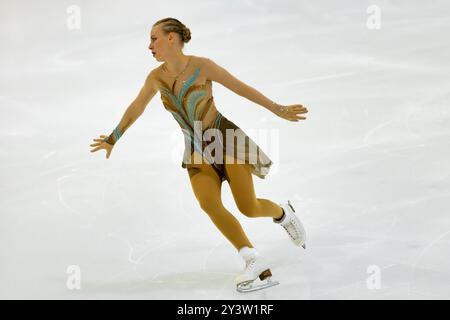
[185,84]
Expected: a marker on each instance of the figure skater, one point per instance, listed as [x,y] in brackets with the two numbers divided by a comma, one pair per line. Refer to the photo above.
[185,85]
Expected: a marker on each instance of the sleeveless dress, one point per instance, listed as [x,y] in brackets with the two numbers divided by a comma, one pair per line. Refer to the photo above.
[213,140]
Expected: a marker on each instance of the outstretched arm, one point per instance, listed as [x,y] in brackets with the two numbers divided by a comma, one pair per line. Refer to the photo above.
[218,74]
[135,109]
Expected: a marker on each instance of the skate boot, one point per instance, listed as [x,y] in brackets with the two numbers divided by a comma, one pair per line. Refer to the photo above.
[255,267]
[292,225]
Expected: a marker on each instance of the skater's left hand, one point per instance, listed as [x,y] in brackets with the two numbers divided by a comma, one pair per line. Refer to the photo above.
[290,112]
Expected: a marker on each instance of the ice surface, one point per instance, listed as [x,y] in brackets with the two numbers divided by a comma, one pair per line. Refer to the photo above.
[368,171]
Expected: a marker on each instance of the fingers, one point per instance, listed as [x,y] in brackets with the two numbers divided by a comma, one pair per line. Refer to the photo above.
[302,109]
[299,107]
[98,142]
[95,149]
[295,117]
[101,136]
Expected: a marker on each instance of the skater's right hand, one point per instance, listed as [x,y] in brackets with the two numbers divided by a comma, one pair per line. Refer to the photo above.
[100,144]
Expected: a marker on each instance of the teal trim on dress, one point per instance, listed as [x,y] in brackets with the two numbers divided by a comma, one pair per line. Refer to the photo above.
[188,83]
[188,113]
[186,117]
[192,102]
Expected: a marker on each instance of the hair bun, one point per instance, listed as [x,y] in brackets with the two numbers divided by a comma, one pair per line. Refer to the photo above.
[186,34]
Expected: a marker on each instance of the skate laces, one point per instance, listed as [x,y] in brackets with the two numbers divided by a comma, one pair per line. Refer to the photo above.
[291,228]
[249,264]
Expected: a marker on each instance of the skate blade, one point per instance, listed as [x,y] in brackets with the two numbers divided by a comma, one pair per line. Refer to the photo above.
[299,245]
[290,205]
[250,286]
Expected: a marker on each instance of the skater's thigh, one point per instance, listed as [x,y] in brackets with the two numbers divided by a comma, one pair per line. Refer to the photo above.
[241,183]
[205,183]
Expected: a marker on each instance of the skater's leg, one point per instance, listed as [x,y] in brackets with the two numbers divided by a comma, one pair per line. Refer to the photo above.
[241,185]
[206,185]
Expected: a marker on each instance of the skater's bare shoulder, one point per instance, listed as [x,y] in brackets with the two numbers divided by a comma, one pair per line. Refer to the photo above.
[213,70]
[218,73]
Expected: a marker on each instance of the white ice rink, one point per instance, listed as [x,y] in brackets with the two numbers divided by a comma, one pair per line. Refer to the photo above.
[368,170]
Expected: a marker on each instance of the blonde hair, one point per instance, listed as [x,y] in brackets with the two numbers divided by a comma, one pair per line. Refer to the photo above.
[174,25]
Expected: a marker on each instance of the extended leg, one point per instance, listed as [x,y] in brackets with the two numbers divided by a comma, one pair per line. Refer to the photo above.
[241,185]
[206,185]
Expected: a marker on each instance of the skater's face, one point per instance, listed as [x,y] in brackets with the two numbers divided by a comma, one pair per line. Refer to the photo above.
[161,44]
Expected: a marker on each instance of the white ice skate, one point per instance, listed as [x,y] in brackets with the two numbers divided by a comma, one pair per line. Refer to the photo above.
[292,225]
[255,267]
